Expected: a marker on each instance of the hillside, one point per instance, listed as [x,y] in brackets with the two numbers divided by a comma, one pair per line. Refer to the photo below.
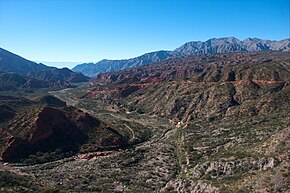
[41,75]
[231,44]
[211,46]
[214,123]
[229,114]
[145,96]
[12,82]
[10,62]
[91,69]
[186,67]
[63,74]
[51,129]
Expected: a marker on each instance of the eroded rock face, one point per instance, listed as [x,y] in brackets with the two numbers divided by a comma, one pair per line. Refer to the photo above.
[187,88]
[225,129]
[51,121]
[57,127]
[224,168]
[239,90]
[7,142]
[190,66]
[95,155]
[229,112]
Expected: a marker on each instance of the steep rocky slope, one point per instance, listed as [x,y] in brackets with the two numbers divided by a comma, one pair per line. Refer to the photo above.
[186,67]
[51,129]
[91,69]
[24,73]
[211,46]
[241,89]
[231,44]
[231,118]
[217,123]
[63,74]
[13,81]
[10,62]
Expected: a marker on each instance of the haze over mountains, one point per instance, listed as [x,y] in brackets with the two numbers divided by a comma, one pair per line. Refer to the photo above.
[61,64]
[211,46]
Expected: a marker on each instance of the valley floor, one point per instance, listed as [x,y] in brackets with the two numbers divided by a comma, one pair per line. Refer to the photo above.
[205,156]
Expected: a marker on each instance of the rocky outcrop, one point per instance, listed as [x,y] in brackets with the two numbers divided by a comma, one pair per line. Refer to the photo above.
[56,126]
[95,155]
[187,88]
[223,168]
[190,67]
[197,100]
[6,140]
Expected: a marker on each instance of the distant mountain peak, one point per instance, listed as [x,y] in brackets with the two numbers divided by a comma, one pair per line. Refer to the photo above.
[211,46]
[11,62]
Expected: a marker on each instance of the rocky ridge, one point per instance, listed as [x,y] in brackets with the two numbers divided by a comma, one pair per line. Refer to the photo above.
[63,74]
[52,126]
[211,46]
[19,73]
[12,81]
[217,123]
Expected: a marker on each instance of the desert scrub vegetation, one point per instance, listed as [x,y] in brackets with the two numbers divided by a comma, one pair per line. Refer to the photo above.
[11,182]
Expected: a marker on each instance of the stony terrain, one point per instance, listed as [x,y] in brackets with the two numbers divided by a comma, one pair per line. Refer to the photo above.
[211,46]
[10,81]
[189,67]
[217,123]
[46,129]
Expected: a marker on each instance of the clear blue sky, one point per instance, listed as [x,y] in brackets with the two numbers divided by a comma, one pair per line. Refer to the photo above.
[81,31]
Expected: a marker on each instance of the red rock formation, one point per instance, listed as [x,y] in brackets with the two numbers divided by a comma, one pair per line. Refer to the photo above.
[94,155]
[56,127]
[9,144]
[186,67]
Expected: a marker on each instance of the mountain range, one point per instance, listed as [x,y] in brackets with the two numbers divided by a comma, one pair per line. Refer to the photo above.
[211,123]
[17,72]
[10,62]
[189,123]
[211,46]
